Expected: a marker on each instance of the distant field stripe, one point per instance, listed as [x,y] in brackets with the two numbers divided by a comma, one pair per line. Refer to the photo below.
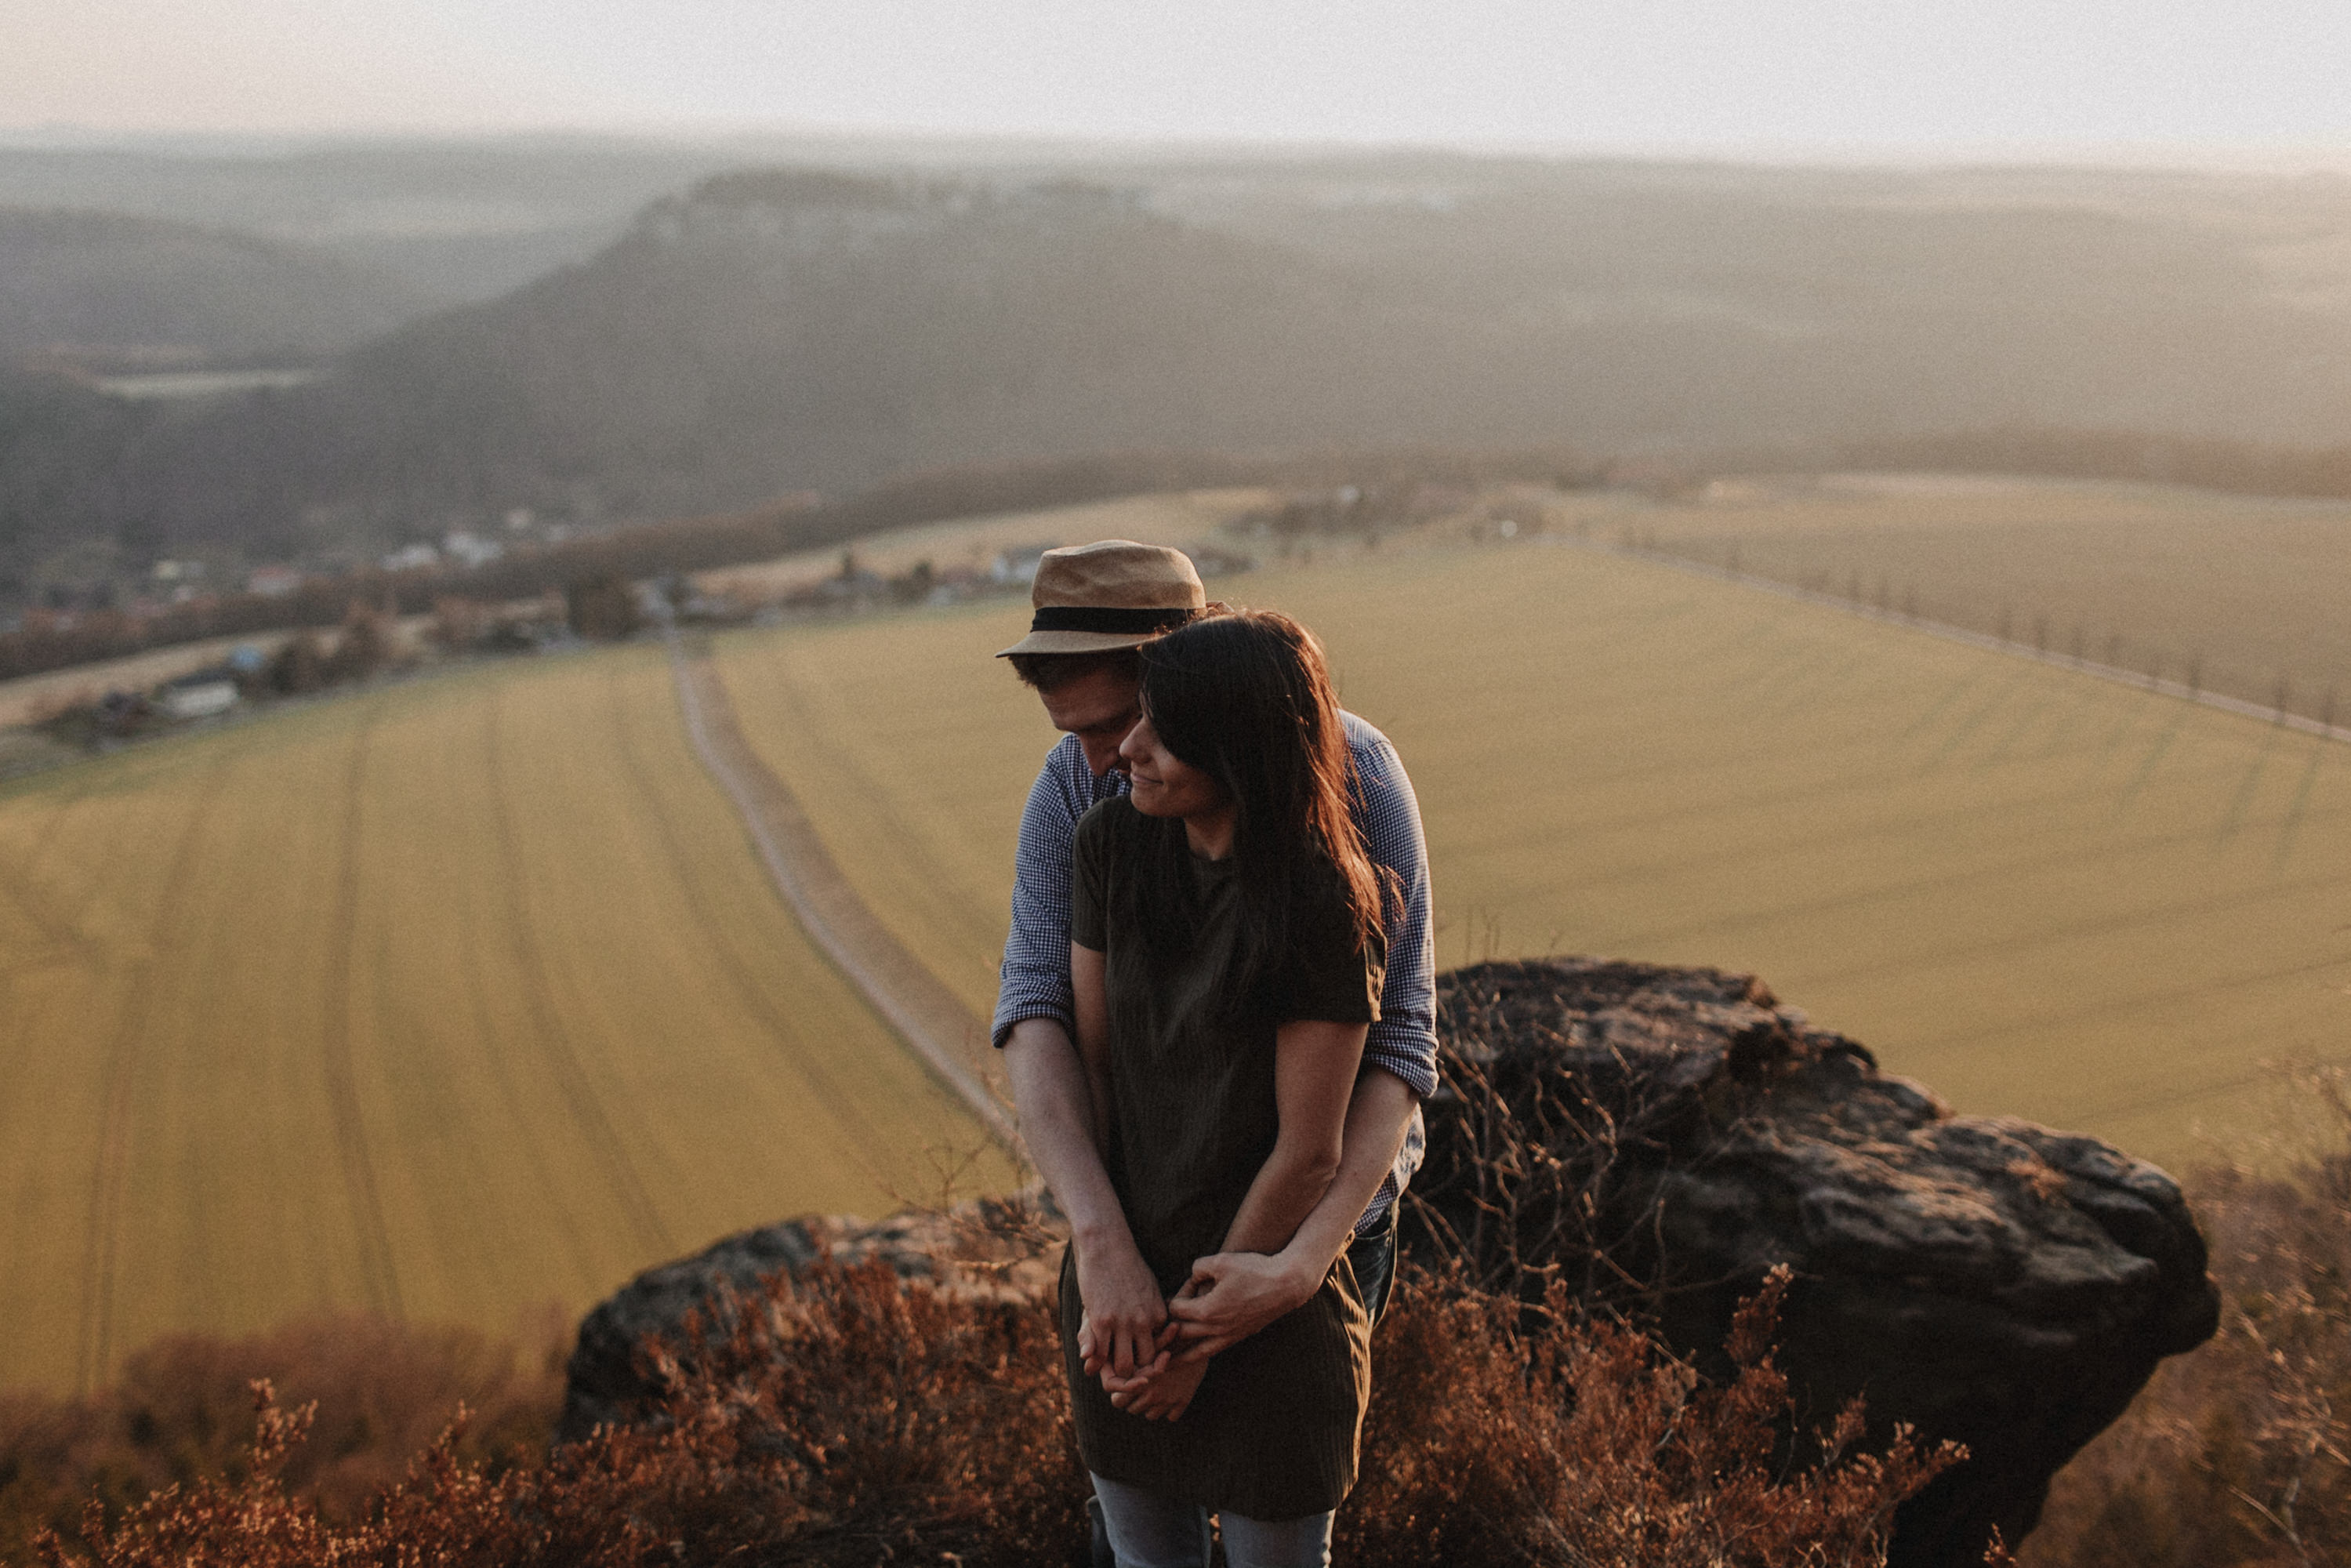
[2161,685]
[2158,1002]
[473,961]
[754,997]
[923,1012]
[379,1271]
[1991,872]
[118,1077]
[23,885]
[588,1112]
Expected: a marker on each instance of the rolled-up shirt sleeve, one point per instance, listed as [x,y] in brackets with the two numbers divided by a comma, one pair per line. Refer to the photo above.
[1405,1040]
[1034,981]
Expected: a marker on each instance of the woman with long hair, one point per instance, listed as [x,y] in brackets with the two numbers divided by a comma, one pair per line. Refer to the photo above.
[1227,955]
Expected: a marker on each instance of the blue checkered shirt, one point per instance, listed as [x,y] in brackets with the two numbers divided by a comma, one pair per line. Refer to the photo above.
[1035,979]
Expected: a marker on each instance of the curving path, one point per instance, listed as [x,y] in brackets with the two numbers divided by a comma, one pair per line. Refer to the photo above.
[948,1036]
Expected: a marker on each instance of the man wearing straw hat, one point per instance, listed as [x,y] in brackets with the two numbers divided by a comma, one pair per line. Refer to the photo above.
[1094,605]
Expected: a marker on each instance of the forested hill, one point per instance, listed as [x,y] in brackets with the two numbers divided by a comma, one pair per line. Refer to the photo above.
[108,285]
[784,332]
[780,331]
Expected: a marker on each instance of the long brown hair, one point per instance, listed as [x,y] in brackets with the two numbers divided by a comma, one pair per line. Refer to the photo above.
[1246,698]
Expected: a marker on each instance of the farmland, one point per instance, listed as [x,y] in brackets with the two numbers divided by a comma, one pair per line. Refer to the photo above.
[457,996]
[451,1001]
[2235,593]
[2042,893]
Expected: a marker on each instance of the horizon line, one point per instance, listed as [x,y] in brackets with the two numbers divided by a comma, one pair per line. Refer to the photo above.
[2138,155]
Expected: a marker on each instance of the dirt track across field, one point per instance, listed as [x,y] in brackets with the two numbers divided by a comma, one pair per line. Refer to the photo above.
[950,1037]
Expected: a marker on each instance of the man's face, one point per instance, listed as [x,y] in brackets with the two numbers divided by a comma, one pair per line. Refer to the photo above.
[1099,709]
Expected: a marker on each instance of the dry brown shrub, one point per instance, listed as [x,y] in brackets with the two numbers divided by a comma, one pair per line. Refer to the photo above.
[2234,1457]
[844,1421]
[382,1391]
[1588,1445]
[853,1419]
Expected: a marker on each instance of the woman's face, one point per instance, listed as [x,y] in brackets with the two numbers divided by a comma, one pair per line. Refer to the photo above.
[1164,784]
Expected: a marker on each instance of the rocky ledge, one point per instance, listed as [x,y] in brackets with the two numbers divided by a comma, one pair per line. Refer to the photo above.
[1656,1140]
[1664,1137]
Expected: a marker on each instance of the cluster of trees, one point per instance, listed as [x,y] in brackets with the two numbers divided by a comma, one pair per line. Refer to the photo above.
[2244,468]
[50,641]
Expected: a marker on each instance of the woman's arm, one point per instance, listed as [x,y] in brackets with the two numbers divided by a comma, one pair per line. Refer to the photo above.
[1091,1003]
[1232,1295]
[1313,1081]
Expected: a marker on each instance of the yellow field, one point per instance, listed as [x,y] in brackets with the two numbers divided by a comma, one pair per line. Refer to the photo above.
[2245,588]
[450,1001]
[460,996]
[2039,894]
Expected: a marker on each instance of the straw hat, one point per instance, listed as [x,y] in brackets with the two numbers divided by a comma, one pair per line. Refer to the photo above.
[1114,593]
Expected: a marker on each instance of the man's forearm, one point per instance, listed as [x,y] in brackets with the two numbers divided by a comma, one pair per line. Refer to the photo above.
[1057,1123]
[1237,1293]
[1379,1113]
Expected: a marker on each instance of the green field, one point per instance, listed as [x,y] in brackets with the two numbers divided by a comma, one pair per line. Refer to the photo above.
[2041,894]
[451,1001]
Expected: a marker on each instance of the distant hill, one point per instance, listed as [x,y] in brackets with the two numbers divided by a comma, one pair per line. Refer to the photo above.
[788,329]
[455,220]
[159,293]
[795,331]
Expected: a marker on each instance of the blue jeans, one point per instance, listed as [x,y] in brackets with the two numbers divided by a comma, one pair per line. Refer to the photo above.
[1373,1257]
[1144,1529]
[1138,1529]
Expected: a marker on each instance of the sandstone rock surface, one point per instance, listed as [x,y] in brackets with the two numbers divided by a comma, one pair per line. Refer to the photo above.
[1664,1137]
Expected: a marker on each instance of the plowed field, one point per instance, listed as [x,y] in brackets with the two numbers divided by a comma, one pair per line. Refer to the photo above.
[2042,893]
[448,1000]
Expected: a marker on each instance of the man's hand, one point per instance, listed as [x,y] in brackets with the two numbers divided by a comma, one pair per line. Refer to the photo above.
[1124,1315]
[1232,1295]
[1163,1396]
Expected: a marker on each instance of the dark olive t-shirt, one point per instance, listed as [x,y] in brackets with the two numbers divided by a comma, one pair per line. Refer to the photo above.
[1192,1047]
[1274,1429]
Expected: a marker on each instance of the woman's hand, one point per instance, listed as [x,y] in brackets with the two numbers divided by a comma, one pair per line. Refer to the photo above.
[1163,1396]
[1126,1327]
[1232,1295]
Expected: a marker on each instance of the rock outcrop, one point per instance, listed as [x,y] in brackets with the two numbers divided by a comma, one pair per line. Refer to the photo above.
[1666,1136]
[990,1246]
[1663,1138]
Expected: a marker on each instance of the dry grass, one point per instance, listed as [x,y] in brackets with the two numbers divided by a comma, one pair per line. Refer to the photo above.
[848,1420]
[2240,589]
[445,1002]
[2238,1456]
[2041,894]
[380,1393]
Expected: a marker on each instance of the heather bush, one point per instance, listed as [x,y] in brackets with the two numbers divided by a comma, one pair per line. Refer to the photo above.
[2234,1457]
[180,1413]
[1588,1445]
[853,1419]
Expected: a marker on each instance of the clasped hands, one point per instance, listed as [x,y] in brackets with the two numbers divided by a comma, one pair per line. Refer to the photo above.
[1151,1353]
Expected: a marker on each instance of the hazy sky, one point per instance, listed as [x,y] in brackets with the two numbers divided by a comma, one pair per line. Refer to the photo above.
[1754,75]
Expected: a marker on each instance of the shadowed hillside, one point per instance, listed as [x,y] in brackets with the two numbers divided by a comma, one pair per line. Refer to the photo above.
[780,331]
[88,280]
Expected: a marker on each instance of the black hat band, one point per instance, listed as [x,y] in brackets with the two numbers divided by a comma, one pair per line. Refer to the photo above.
[1113,622]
